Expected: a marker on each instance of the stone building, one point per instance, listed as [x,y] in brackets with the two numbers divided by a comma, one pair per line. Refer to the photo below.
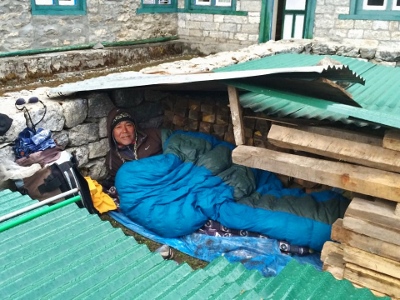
[206,25]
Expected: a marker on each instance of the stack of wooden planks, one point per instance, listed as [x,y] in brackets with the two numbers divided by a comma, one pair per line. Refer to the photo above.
[366,242]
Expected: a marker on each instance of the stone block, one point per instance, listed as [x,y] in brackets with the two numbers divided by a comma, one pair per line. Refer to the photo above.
[179,121]
[193,125]
[209,118]
[181,111]
[98,149]
[205,127]
[194,115]
[75,112]
[83,134]
[207,108]
[99,105]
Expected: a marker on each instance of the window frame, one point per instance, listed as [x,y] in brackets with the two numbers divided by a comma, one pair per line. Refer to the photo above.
[146,8]
[359,12]
[59,9]
[191,5]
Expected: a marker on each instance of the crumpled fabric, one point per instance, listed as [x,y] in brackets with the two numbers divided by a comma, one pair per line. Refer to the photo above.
[101,201]
[41,157]
[11,170]
[29,141]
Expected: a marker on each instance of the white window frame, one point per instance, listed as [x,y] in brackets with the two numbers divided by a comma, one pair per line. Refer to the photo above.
[223,3]
[203,2]
[395,7]
[44,2]
[374,7]
[66,2]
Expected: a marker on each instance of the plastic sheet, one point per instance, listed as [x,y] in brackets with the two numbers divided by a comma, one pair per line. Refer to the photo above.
[254,253]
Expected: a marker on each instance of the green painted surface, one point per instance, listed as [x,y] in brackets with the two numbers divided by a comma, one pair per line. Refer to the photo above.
[378,98]
[71,254]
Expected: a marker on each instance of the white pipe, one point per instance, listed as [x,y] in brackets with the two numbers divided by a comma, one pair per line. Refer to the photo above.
[36,205]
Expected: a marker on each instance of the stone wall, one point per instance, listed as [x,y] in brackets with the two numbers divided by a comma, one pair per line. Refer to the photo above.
[117,21]
[41,66]
[109,21]
[210,33]
[377,33]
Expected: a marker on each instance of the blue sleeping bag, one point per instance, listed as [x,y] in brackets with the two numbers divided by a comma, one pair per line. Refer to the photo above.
[173,194]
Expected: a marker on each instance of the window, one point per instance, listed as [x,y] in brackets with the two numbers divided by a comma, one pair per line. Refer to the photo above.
[293,19]
[213,5]
[157,6]
[58,7]
[374,10]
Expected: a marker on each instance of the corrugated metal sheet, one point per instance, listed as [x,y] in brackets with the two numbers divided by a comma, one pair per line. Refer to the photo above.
[378,98]
[137,79]
[70,254]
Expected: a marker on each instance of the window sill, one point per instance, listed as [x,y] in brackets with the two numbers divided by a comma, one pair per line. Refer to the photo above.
[214,11]
[388,17]
[156,10]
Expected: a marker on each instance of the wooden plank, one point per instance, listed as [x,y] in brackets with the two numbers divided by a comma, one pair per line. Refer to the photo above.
[370,279]
[372,230]
[391,139]
[336,148]
[380,212]
[397,210]
[236,114]
[332,258]
[335,265]
[331,247]
[349,177]
[371,261]
[369,244]
[344,134]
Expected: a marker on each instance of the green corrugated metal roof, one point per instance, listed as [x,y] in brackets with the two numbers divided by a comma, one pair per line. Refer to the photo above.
[379,98]
[70,254]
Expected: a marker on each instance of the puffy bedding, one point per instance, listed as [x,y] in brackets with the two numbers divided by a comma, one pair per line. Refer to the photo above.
[173,194]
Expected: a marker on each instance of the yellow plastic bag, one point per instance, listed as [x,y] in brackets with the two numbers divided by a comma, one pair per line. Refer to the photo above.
[101,201]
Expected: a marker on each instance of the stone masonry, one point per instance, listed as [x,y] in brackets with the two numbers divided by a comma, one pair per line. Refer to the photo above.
[114,21]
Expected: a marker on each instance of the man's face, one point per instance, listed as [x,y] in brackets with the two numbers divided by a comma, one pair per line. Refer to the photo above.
[124,133]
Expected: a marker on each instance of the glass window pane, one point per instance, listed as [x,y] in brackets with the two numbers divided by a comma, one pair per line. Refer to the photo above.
[66,2]
[203,2]
[396,5]
[287,27]
[295,4]
[164,1]
[298,26]
[374,4]
[44,2]
[223,2]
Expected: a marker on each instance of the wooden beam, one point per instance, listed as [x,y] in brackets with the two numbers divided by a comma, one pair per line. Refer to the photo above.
[391,140]
[331,247]
[349,177]
[334,147]
[334,264]
[349,135]
[380,212]
[358,240]
[381,233]
[373,280]
[371,261]
[236,114]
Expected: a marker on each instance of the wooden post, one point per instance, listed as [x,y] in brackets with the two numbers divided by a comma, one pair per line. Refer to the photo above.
[236,113]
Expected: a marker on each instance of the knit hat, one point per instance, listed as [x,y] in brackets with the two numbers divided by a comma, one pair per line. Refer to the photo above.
[5,123]
[120,117]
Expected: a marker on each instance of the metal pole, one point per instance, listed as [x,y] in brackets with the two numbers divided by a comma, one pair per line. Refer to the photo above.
[36,205]
[38,213]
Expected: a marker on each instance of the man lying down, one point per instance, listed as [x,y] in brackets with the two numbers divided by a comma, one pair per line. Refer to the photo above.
[174,183]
